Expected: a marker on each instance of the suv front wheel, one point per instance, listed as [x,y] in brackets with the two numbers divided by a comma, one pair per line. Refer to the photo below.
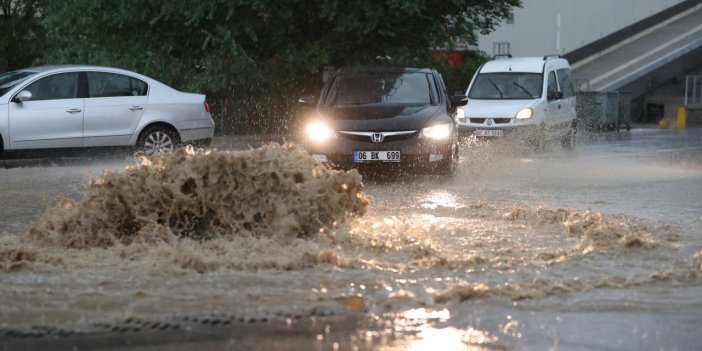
[448,166]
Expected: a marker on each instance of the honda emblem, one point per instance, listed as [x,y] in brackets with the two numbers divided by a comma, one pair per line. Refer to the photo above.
[378,137]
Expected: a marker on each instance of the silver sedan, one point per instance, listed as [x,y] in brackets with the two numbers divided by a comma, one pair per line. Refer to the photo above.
[88,106]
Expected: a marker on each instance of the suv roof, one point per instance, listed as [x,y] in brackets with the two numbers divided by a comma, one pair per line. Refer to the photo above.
[520,64]
[382,69]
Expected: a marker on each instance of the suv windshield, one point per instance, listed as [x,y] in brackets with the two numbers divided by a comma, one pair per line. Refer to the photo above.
[507,86]
[379,88]
[10,79]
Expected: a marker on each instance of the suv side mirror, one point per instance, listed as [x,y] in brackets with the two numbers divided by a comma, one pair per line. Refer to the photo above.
[459,100]
[555,95]
[22,96]
[307,100]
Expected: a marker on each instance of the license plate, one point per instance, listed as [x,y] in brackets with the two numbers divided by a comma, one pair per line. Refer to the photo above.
[488,133]
[370,156]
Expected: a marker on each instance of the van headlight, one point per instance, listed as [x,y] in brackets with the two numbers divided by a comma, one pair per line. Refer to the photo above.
[525,113]
[460,114]
[437,132]
[319,132]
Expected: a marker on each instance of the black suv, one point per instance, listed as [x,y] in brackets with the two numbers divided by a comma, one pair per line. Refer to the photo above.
[384,117]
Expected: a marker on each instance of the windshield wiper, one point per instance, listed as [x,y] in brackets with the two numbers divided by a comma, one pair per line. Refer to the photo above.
[524,89]
[350,103]
[496,88]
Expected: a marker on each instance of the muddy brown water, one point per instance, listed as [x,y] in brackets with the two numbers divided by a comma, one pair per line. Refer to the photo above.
[600,249]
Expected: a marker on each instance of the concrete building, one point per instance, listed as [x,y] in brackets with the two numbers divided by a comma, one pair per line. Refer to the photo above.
[543,27]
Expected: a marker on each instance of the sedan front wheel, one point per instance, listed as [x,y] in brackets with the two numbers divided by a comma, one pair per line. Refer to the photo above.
[158,140]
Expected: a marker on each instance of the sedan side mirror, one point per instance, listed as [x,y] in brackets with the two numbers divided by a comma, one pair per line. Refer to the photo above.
[22,96]
[459,100]
[307,100]
[555,95]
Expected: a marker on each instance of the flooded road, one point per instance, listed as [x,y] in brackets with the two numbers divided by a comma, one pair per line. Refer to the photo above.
[597,249]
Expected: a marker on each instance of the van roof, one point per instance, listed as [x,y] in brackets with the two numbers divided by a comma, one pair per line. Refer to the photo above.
[519,64]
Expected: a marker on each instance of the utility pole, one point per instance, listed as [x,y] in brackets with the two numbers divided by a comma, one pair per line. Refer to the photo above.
[558,34]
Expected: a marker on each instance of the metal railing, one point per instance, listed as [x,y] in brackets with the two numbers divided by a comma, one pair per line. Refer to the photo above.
[693,92]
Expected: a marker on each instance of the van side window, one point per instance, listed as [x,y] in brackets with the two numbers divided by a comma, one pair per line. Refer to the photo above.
[566,82]
[552,85]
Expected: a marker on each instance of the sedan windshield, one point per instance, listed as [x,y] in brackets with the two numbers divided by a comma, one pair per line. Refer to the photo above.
[10,79]
[506,86]
[380,88]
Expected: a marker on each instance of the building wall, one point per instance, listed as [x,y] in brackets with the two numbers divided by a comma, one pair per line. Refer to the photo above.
[534,31]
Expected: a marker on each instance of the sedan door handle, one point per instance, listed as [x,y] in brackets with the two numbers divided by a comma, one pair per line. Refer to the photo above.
[74,110]
[136,108]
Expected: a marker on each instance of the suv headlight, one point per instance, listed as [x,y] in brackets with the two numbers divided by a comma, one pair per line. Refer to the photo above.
[524,113]
[437,132]
[319,132]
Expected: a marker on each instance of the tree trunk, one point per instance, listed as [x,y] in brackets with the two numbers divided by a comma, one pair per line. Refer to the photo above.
[227,123]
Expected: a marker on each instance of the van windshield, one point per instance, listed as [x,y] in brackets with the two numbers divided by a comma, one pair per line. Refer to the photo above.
[507,86]
[10,79]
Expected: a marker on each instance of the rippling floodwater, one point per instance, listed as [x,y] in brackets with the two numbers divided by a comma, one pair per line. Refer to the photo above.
[597,249]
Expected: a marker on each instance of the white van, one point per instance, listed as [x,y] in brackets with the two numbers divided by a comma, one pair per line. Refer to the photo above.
[529,96]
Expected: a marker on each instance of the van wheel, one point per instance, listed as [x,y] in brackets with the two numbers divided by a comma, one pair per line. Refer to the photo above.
[537,144]
[568,141]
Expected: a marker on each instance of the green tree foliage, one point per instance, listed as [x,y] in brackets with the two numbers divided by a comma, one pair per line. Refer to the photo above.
[20,33]
[275,50]
[457,77]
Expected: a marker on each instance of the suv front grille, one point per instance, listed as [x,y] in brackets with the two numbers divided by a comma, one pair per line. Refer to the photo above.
[390,138]
[354,137]
[386,139]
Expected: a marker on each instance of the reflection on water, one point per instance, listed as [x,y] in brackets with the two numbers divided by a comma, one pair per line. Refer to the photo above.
[449,339]
[421,313]
[479,339]
[440,198]
[430,333]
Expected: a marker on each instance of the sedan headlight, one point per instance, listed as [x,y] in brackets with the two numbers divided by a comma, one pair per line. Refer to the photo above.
[525,113]
[437,132]
[319,132]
